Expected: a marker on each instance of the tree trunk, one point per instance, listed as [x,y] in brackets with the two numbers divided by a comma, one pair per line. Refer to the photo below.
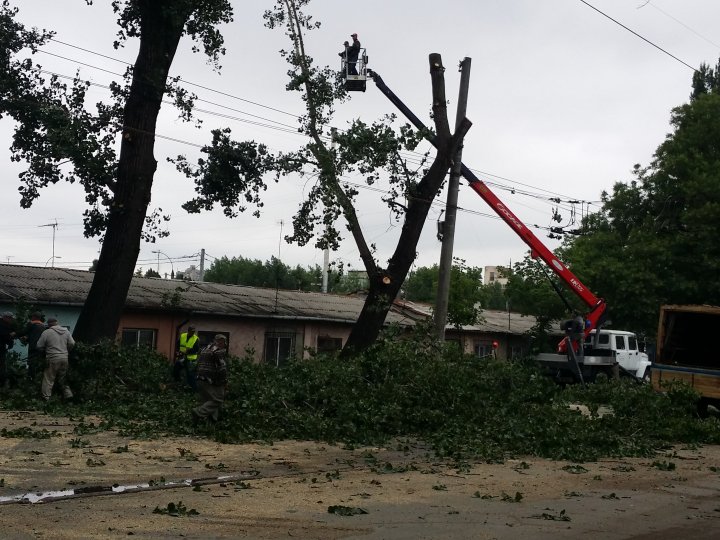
[161,27]
[385,285]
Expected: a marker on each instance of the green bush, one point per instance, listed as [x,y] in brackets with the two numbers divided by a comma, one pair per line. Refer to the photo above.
[462,406]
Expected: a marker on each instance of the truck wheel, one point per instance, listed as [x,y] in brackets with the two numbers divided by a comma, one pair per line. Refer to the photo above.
[646,377]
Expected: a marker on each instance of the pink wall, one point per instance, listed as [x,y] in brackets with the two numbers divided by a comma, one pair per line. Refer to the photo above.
[245,334]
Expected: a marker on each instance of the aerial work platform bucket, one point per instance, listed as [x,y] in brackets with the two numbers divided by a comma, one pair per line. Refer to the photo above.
[354,73]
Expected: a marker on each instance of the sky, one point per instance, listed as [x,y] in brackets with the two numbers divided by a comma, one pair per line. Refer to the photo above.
[564,102]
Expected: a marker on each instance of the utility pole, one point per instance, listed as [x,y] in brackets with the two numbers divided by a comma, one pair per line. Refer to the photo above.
[326,251]
[446,254]
[202,264]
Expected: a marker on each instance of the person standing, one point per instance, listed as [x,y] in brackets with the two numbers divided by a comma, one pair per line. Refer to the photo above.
[7,339]
[56,341]
[343,55]
[186,359]
[352,55]
[30,336]
[211,380]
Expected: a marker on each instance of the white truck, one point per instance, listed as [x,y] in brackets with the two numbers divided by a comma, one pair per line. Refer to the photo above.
[613,352]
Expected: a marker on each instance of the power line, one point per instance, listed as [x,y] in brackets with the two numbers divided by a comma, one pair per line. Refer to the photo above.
[284,127]
[638,35]
[219,92]
[292,129]
[698,34]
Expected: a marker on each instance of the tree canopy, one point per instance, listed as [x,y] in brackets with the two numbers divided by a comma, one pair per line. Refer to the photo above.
[373,151]
[467,295]
[655,240]
[61,137]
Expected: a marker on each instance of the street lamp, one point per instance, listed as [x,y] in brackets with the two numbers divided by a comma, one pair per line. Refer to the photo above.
[53,260]
[172,267]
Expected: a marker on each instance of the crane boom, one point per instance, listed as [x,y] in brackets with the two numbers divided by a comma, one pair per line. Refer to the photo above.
[595,316]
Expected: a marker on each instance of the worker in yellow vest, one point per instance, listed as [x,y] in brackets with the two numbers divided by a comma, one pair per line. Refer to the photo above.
[188,347]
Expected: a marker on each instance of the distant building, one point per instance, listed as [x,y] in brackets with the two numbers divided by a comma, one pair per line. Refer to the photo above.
[192,273]
[491,275]
[267,325]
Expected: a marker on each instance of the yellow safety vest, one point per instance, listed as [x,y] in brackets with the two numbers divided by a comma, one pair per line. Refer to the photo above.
[188,343]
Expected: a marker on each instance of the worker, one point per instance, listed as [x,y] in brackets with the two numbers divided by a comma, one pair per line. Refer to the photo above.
[56,341]
[188,347]
[352,55]
[30,336]
[7,339]
[212,380]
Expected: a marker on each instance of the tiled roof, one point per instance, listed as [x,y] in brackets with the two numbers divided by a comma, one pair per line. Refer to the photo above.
[492,321]
[62,286]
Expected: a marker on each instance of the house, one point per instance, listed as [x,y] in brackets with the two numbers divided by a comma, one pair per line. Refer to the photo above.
[492,275]
[263,324]
[502,334]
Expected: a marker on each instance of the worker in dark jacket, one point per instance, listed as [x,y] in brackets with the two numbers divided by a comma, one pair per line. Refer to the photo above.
[7,338]
[211,380]
[352,55]
[30,336]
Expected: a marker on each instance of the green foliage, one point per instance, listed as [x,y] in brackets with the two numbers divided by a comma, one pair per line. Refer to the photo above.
[655,240]
[512,498]
[341,510]
[231,175]
[530,292]
[466,290]
[272,273]
[27,433]
[176,510]
[371,151]
[397,389]
[561,516]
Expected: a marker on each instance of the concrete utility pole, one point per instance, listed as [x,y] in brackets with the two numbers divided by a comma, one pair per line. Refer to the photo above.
[202,264]
[326,251]
[446,254]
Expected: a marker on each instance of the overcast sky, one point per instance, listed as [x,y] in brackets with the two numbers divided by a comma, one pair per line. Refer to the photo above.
[563,102]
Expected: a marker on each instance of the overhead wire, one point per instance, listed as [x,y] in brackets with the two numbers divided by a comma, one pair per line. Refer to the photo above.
[698,34]
[646,40]
[290,129]
[279,126]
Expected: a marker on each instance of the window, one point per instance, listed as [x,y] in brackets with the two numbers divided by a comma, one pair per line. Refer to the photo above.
[632,343]
[620,343]
[516,352]
[279,347]
[483,349]
[604,339]
[327,344]
[139,337]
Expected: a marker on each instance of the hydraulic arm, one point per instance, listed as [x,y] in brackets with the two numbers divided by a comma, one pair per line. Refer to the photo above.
[595,316]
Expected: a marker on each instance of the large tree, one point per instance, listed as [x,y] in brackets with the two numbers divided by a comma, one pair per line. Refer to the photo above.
[256,273]
[372,150]
[61,139]
[655,240]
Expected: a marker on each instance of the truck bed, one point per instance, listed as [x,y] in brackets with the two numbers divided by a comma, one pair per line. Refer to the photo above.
[705,381]
[686,349]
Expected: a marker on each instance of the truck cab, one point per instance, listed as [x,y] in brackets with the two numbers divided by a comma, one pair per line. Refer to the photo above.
[624,346]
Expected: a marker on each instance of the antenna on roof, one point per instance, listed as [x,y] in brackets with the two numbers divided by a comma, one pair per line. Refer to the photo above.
[54,226]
